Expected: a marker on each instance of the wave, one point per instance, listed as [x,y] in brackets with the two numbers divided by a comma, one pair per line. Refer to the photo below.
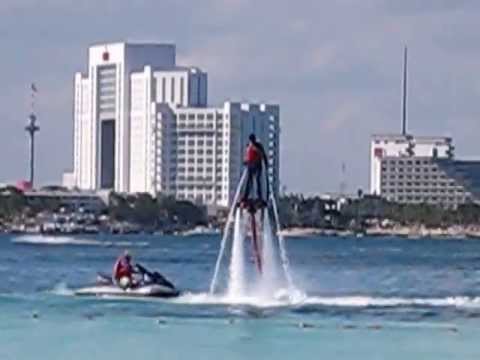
[301,300]
[297,299]
[368,301]
[62,289]
[69,240]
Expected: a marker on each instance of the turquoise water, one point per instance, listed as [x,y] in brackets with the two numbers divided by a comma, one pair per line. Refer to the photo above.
[362,299]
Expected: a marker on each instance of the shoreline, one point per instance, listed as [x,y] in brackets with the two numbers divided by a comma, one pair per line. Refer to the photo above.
[411,232]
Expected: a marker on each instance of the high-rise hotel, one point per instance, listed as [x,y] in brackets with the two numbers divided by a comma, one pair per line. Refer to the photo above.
[143,124]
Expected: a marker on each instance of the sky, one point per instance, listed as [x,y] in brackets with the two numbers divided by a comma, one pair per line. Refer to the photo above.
[335,68]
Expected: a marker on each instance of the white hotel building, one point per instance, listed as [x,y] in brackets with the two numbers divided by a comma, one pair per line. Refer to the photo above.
[422,169]
[142,124]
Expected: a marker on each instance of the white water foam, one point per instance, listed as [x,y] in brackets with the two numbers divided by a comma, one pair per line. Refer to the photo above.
[226,234]
[268,250]
[279,300]
[283,250]
[367,301]
[53,240]
[69,240]
[62,289]
[271,279]
[236,285]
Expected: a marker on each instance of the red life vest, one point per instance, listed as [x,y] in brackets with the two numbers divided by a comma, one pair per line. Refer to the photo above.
[253,155]
[122,268]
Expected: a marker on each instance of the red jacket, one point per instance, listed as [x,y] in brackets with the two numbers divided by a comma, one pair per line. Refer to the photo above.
[122,268]
[253,155]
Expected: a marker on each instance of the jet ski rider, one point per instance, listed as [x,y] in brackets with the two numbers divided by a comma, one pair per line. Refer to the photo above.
[255,158]
[123,271]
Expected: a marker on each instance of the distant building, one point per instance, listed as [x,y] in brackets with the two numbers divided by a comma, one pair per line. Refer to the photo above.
[141,124]
[24,185]
[68,180]
[197,153]
[409,169]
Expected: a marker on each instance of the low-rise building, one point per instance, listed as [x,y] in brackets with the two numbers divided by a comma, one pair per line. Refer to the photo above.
[73,200]
[415,170]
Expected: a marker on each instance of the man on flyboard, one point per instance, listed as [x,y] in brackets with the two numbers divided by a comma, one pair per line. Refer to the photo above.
[256,161]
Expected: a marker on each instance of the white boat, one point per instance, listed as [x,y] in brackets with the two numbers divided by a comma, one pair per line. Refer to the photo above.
[201,230]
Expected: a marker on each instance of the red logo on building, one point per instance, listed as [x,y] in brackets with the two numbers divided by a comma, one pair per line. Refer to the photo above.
[106,56]
[378,152]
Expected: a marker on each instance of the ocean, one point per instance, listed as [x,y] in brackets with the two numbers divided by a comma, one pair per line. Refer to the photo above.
[359,298]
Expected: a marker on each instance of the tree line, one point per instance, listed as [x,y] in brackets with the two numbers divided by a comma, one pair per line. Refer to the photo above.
[164,211]
[298,211]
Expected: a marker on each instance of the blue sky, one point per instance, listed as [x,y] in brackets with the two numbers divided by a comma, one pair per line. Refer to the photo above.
[335,68]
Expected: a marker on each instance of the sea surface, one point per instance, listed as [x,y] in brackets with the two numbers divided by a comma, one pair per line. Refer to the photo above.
[360,298]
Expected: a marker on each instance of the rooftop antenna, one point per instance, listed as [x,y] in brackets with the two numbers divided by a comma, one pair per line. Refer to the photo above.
[343,181]
[31,129]
[404,102]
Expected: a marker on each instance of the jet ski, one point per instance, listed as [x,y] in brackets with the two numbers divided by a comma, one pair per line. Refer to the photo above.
[149,284]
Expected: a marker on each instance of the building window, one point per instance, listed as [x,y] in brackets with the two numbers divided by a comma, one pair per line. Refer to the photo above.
[163,89]
[181,90]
